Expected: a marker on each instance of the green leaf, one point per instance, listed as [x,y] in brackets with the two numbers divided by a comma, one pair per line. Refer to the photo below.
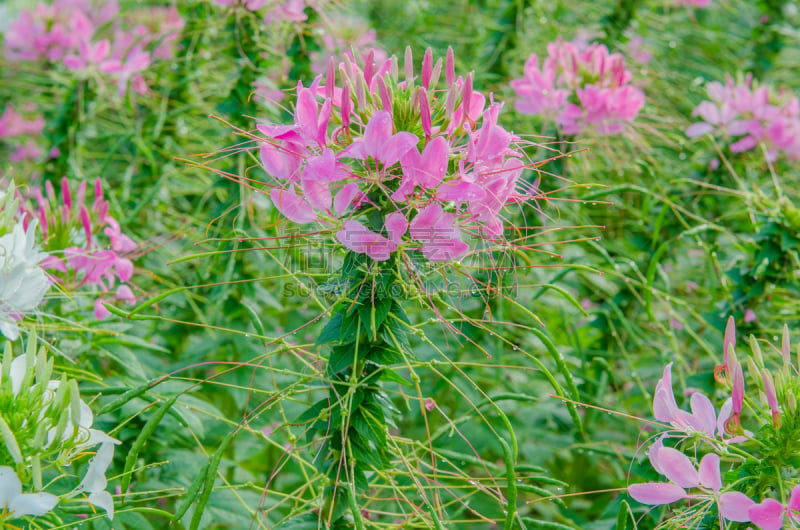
[365,454]
[342,356]
[369,429]
[349,329]
[331,331]
[383,356]
[372,316]
[625,517]
[313,412]
[387,374]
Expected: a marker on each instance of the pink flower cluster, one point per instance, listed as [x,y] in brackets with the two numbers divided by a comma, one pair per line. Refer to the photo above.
[345,31]
[579,89]
[89,239]
[282,10]
[750,115]
[705,480]
[14,125]
[694,3]
[93,38]
[390,162]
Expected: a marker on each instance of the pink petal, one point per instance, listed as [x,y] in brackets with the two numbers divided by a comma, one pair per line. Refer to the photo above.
[678,468]
[794,505]
[664,405]
[653,455]
[703,412]
[124,293]
[361,239]
[433,167]
[746,143]
[377,133]
[396,147]
[100,311]
[729,341]
[305,113]
[737,390]
[709,472]
[656,493]
[734,506]
[698,129]
[425,221]
[460,191]
[292,206]
[396,226]
[768,515]
[316,192]
[281,162]
[124,268]
[345,196]
[444,249]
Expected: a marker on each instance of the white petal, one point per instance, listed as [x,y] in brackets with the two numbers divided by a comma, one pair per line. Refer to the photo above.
[18,368]
[32,504]
[102,499]
[87,418]
[95,479]
[9,329]
[10,486]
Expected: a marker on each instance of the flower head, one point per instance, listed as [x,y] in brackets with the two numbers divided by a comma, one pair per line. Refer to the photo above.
[746,115]
[86,243]
[23,282]
[390,162]
[579,88]
[15,504]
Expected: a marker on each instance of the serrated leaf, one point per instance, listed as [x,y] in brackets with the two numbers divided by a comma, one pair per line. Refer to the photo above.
[369,429]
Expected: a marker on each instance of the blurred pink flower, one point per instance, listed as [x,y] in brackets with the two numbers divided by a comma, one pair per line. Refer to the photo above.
[95,251]
[579,89]
[747,116]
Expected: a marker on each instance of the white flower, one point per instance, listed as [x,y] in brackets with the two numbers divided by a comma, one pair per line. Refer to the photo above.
[20,504]
[22,282]
[95,481]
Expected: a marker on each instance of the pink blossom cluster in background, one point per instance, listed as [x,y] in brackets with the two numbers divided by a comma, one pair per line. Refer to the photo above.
[21,132]
[345,31]
[388,159]
[694,3]
[748,115]
[93,38]
[579,89]
[341,32]
[85,244]
[276,11]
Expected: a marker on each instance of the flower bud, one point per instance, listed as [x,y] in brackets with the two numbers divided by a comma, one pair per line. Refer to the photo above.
[756,349]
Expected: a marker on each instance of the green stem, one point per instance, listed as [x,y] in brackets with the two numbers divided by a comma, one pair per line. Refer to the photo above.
[353,420]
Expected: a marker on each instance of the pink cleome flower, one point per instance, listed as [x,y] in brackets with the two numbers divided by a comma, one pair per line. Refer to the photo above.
[86,245]
[747,115]
[92,38]
[579,88]
[434,165]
